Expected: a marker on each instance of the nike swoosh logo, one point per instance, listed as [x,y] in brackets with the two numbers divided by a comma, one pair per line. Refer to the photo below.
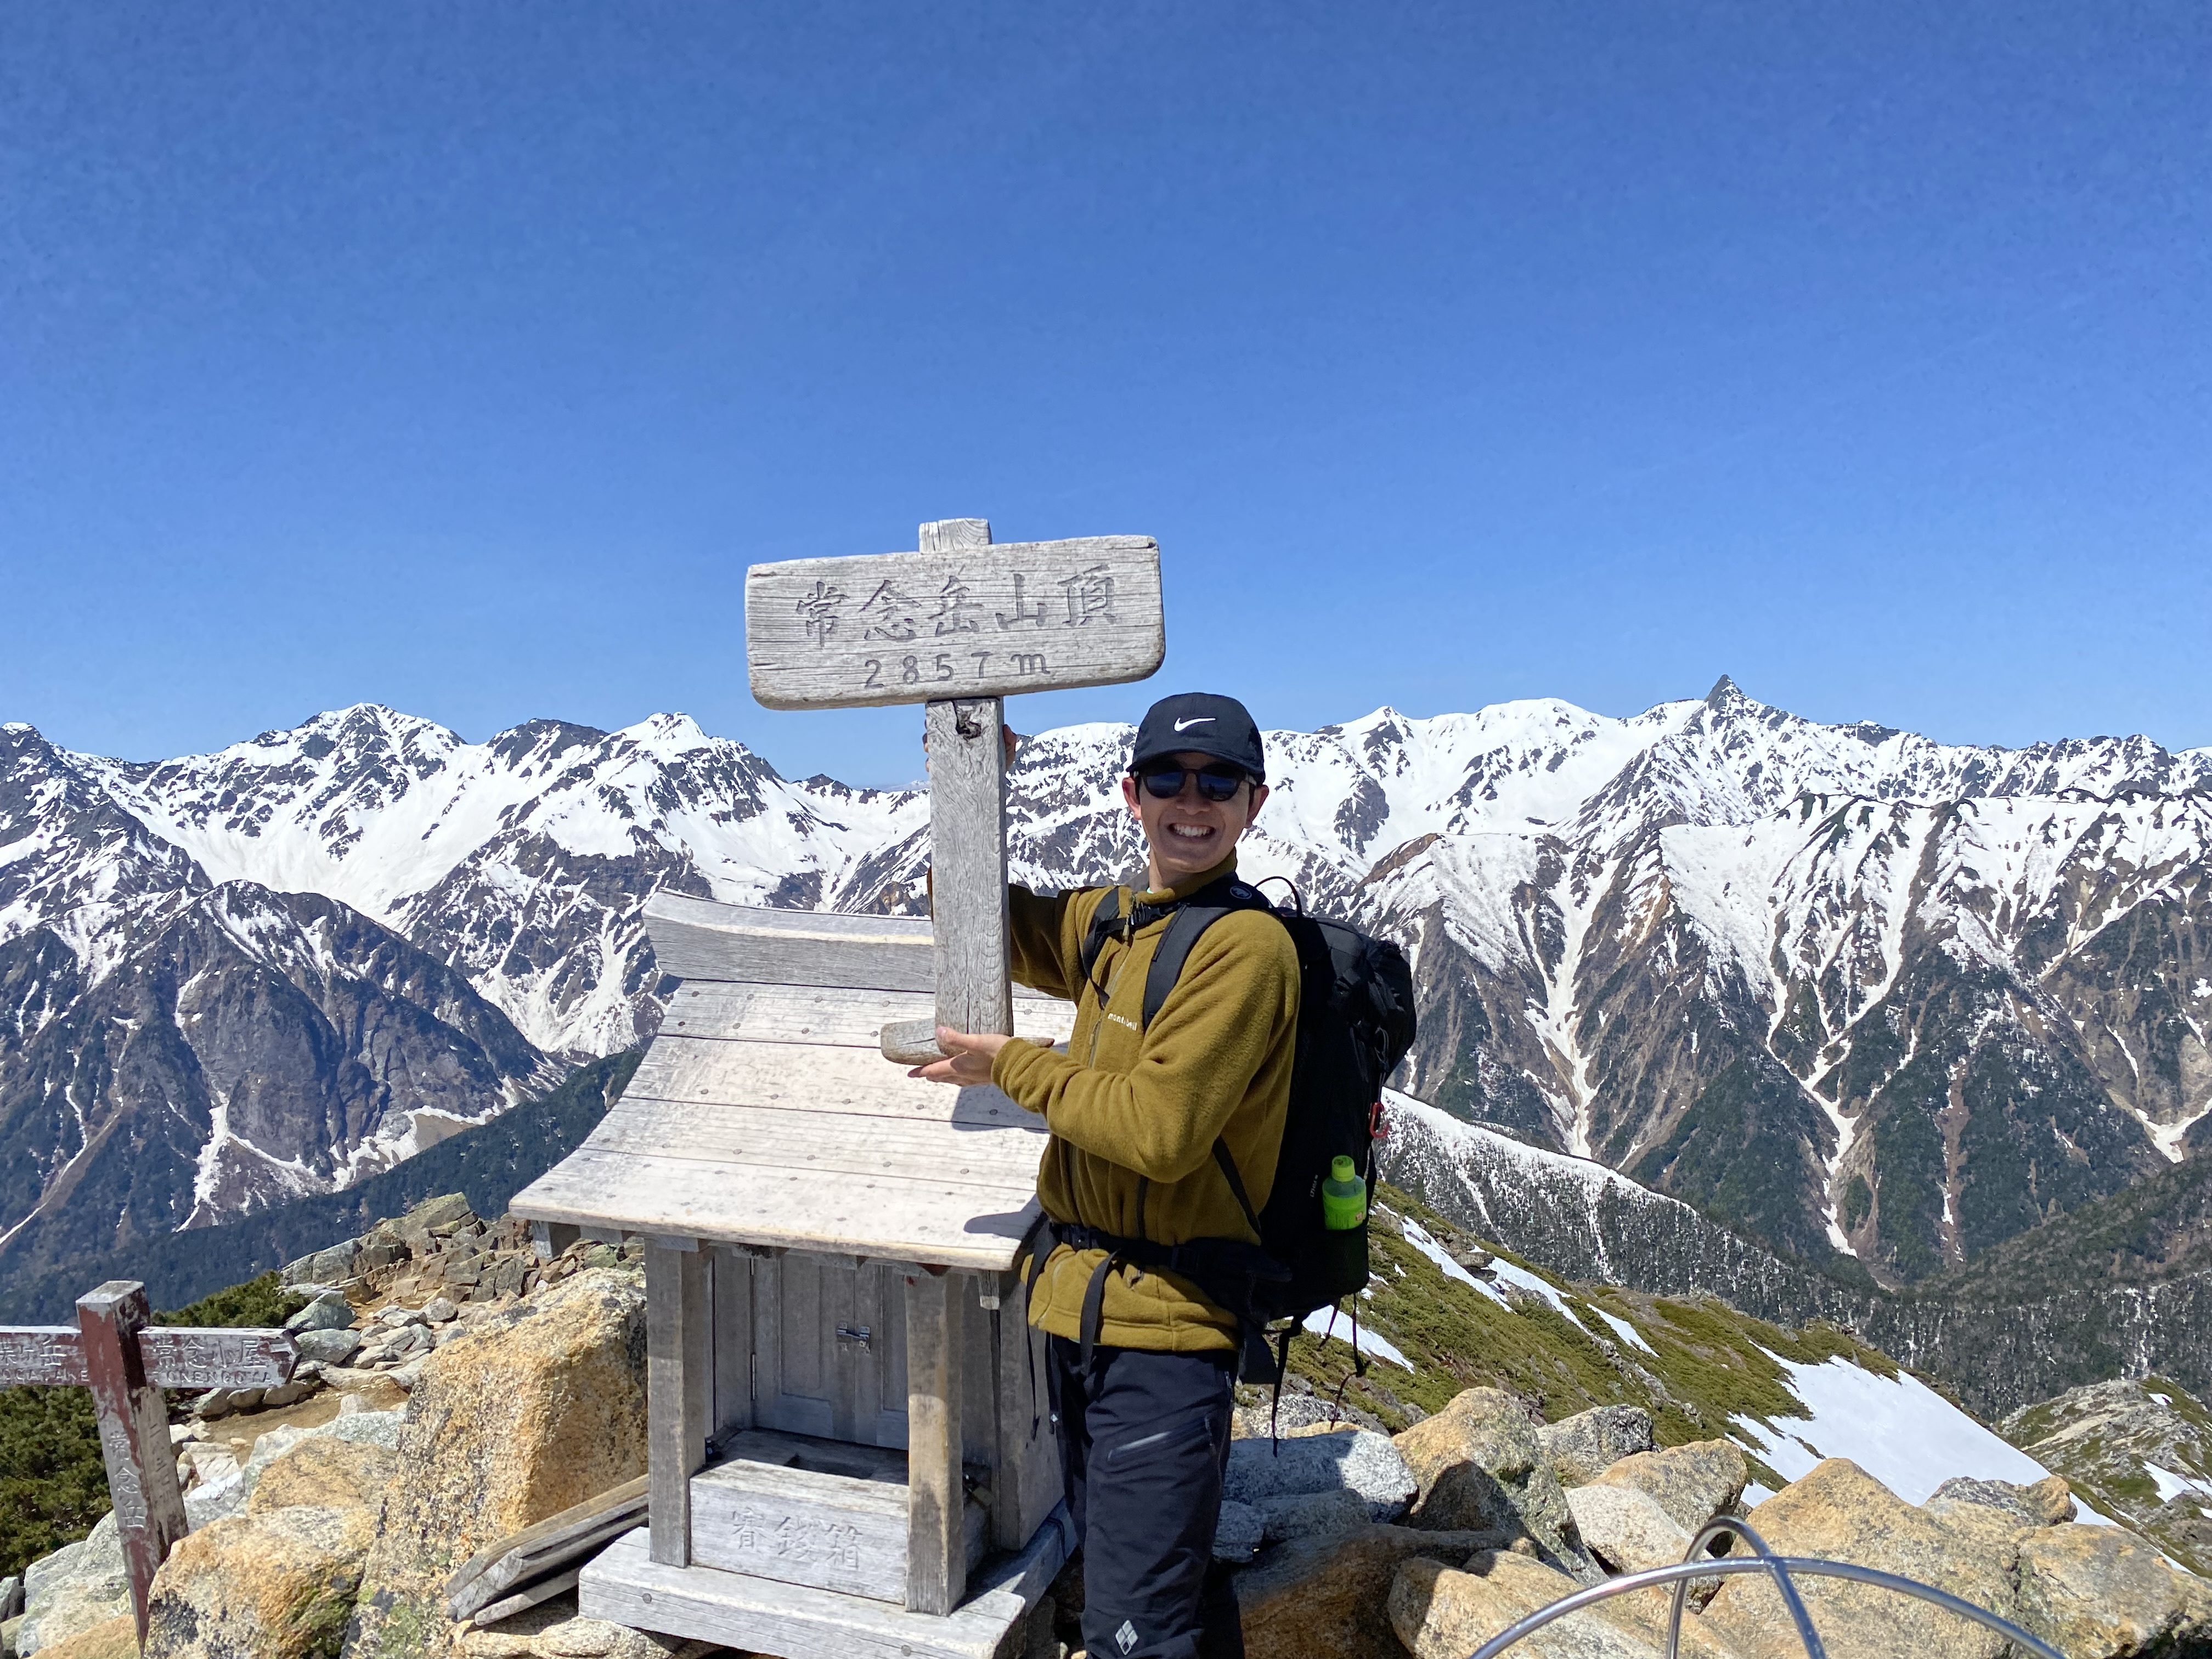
[1198,719]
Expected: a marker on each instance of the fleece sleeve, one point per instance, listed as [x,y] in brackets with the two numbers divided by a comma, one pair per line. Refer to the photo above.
[1235,1002]
[1046,931]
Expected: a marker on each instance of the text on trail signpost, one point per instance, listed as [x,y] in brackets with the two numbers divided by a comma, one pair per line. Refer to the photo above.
[127,1362]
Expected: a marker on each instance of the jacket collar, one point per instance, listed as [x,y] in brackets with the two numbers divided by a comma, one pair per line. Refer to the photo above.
[1190,884]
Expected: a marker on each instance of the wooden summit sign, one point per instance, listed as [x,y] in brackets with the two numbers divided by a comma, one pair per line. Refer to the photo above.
[960,625]
[126,1361]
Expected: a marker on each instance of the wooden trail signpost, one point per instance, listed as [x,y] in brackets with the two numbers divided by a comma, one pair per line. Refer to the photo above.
[126,1361]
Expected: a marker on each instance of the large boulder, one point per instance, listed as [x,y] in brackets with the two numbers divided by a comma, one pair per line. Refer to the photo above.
[538,1409]
[78,1586]
[1692,1483]
[2045,1503]
[1440,1613]
[1840,1511]
[2099,1591]
[1581,1448]
[1626,1529]
[279,1581]
[1349,1460]
[279,1584]
[1330,1595]
[552,1629]
[327,1472]
[1481,1468]
[112,1638]
[330,1311]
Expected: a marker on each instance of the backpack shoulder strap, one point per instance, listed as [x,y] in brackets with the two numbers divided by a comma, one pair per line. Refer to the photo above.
[1192,918]
[1101,927]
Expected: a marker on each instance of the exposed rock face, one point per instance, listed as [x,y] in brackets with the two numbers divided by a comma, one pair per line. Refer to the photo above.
[75,1589]
[531,1413]
[1840,1512]
[1443,1613]
[1481,1469]
[327,1472]
[2096,1590]
[275,1583]
[1356,1461]
[2141,1451]
[1581,1448]
[112,1638]
[1692,1484]
[1626,1529]
[1331,1594]
[2046,1502]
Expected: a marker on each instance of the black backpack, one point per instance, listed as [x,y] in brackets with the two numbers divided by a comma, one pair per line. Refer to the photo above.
[1355,1024]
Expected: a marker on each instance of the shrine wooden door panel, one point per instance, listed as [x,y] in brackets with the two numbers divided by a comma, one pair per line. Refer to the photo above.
[829,1342]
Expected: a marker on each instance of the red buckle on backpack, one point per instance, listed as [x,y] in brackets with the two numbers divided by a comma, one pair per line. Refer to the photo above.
[1377,1127]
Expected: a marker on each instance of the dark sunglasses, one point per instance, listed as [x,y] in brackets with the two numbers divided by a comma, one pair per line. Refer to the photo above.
[1215,783]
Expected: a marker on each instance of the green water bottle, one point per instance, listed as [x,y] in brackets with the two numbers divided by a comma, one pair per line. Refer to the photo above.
[1343,1197]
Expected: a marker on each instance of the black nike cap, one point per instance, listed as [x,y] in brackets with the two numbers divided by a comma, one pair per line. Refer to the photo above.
[1200,721]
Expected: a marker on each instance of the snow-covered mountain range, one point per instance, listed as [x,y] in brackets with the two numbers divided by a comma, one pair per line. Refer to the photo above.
[1845,988]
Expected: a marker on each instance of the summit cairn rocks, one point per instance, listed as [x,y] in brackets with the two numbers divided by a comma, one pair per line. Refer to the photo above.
[1583,1447]
[1481,1468]
[2092,1589]
[1692,1484]
[1840,1511]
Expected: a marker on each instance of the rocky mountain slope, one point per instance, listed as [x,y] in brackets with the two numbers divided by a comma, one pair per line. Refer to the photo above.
[1859,995]
[2140,1451]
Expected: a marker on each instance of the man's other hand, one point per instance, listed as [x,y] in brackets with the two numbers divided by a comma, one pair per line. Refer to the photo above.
[968,1057]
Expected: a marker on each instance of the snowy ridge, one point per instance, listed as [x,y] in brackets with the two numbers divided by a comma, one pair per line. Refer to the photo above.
[1736,954]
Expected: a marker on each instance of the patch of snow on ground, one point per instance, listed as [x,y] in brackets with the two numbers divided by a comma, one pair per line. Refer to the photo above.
[1535,1286]
[1622,1328]
[1902,1432]
[1417,1237]
[2170,1484]
[1381,1347]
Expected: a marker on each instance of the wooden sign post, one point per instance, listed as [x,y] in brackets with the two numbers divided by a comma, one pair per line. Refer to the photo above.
[959,624]
[126,1361]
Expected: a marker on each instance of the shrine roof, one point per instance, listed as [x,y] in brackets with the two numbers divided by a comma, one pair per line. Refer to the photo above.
[764,1113]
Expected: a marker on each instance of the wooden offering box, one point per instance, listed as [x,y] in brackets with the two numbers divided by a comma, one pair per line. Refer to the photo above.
[850,1452]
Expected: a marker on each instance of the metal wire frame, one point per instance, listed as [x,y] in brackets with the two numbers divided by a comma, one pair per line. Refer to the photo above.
[1761,1560]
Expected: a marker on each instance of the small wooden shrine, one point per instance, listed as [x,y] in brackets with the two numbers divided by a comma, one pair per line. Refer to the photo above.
[849,1449]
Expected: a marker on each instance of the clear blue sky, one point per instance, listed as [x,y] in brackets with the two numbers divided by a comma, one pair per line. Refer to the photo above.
[461,357]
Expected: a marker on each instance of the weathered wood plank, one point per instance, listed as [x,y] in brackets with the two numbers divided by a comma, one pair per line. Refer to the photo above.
[700,938]
[134,1434]
[807,1079]
[936,1559]
[49,1354]
[831,1014]
[761,1615]
[920,1149]
[1027,1487]
[966,622]
[521,1556]
[677,1379]
[967,864]
[523,1600]
[835,1531]
[732,1290]
[741,1204]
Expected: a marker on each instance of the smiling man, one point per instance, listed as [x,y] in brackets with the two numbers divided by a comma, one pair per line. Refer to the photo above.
[1164,1136]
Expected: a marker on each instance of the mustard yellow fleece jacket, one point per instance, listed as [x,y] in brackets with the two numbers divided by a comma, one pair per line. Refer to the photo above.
[1134,1114]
